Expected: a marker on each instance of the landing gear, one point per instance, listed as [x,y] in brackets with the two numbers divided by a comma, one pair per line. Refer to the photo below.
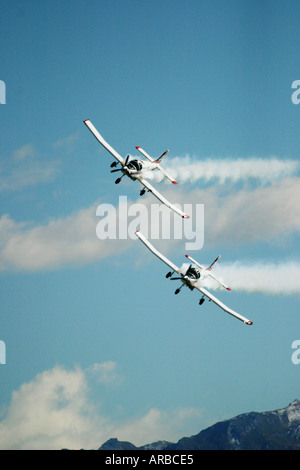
[169,274]
[201,301]
[119,179]
[142,192]
[178,290]
[113,164]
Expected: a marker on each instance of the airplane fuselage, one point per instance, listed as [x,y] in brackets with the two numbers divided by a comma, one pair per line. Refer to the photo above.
[135,167]
[193,275]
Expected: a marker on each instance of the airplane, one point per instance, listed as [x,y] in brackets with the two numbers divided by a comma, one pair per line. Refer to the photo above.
[134,168]
[191,278]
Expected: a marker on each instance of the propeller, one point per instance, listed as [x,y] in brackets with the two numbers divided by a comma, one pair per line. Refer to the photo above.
[188,269]
[114,171]
[120,169]
[182,275]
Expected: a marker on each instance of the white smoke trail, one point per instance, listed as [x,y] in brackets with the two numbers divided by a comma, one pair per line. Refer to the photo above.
[260,277]
[185,169]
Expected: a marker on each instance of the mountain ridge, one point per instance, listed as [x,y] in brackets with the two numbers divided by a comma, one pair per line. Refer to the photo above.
[267,430]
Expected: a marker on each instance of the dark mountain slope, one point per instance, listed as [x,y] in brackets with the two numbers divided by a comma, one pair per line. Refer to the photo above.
[269,430]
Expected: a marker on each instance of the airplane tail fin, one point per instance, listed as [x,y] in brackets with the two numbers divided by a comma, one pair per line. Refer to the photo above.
[212,264]
[159,159]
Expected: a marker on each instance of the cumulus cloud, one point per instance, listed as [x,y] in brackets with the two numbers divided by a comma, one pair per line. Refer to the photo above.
[249,215]
[60,242]
[245,216]
[54,411]
[50,409]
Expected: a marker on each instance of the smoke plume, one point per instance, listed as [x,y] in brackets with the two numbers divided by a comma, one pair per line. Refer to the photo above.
[258,277]
[185,169]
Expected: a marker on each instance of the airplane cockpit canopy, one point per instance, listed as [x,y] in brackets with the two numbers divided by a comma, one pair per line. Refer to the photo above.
[135,165]
[193,273]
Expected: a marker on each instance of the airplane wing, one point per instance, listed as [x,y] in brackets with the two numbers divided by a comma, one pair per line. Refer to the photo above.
[100,139]
[218,280]
[158,166]
[194,261]
[223,306]
[145,154]
[157,253]
[160,197]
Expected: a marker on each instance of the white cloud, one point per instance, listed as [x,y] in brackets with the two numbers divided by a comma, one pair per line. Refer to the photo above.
[104,372]
[26,169]
[247,216]
[27,150]
[51,411]
[54,411]
[67,143]
[158,425]
[60,242]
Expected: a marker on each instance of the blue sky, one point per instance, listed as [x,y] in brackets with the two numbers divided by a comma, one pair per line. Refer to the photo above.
[93,332]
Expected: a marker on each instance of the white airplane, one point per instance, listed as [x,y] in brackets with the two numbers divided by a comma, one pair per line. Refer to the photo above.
[192,277]
[134,168]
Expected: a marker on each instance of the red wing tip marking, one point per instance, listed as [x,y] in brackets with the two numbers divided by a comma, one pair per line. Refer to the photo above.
[137,231]
[137,147]
[185,216]
[228,288]
[249,323]
[186,256]
[174,182]
[86,120]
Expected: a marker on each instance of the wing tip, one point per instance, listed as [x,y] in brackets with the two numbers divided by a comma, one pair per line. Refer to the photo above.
[174,182]
[228,288]
[185,216]
[86,120]
[187,256]
[249,322]
[137,147]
